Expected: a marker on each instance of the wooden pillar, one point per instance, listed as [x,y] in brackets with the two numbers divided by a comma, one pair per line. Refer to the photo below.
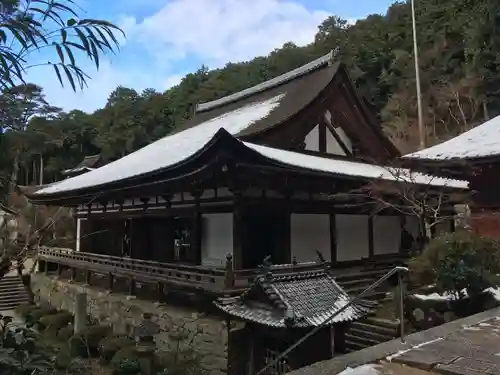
[197,228]
[88,277]
[45,267]
[131,287]
[229,276]
[371,250]
[160,291]
[333,238]
[59,269]
[111,282]
[73,274]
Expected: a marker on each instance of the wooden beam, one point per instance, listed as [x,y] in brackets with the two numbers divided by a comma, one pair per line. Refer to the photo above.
[322,136]
[335,135]
[333,238]
[371,249]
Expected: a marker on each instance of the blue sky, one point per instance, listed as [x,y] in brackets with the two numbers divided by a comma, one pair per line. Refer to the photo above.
[168,38]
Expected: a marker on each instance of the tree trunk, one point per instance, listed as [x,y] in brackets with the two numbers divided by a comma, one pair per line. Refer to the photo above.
[15,172]
[41,169]
[485,111]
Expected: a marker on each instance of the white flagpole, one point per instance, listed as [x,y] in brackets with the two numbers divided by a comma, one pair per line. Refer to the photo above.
[421,128]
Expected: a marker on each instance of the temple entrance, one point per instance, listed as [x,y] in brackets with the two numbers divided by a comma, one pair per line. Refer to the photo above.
[266,235]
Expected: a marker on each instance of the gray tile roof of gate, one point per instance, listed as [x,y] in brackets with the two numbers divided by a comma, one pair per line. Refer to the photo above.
[312,296]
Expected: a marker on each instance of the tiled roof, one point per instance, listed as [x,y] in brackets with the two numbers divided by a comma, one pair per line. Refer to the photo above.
[301,299]
[87,164]
[481,141]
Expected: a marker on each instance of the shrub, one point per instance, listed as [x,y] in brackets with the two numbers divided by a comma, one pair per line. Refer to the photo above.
[55,322]
[65,333]
[34,316]
[86,342]
[25,309]
[110,345]
[458,261]
[126,362]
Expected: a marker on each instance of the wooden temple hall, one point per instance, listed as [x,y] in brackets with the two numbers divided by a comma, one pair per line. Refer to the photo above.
[280,171]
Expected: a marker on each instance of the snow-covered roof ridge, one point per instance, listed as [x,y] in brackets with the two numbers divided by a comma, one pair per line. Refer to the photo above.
[354,168]
[481,141]
[169,150]
[281,79]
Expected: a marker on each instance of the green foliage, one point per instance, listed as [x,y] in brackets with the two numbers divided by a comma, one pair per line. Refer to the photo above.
[65,333]
[34,316]
[25,309]
[48,24]
[55,322]
[126,362]
[86,343]
[457,262]
[110,345]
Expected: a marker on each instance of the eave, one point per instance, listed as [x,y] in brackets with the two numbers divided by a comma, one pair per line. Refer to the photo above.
[220,159]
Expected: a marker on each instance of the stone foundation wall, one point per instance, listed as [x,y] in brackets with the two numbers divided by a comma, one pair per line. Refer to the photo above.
[210,333]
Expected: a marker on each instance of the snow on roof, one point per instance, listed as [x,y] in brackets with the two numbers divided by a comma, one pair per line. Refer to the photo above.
[481,141]
[326,59]
[168,150]
[352,168]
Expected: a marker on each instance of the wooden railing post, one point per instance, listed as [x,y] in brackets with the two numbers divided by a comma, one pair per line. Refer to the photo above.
[229,276]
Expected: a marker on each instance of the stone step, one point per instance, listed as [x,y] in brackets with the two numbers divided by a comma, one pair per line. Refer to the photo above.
[13,295]
[365,342]
[12,304]
[390,324]
[10,282]
[378,337]
[373,328]
[353,346]
[356,282]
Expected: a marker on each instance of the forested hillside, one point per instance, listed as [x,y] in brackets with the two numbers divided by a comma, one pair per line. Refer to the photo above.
[460,60]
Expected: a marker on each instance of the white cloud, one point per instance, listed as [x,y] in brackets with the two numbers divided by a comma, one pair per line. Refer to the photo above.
[103,81]
[187,31]
[219,31]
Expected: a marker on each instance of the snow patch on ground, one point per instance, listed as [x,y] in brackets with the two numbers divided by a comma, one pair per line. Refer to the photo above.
[362,370]
[401,352]
[495,292]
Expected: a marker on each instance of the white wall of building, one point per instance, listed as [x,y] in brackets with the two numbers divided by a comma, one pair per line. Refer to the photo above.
[308,233]
[352,237]
[217,239]
[78,233]
[332,146]
[312,139]
[386,234]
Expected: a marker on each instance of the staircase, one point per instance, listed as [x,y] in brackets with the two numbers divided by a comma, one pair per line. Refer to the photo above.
[12,293]
[369,332]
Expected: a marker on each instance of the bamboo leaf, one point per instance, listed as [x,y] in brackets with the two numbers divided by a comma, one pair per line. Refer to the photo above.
[58,73]
[70,54]
[95,52]
[70,77]
[59,52]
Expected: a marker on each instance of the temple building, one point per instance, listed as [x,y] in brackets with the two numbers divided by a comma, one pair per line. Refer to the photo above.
[281,171]
[473,156]
[88,164]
